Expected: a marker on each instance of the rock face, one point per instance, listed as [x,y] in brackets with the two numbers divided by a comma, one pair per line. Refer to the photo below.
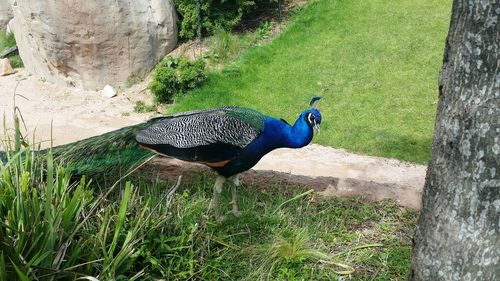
[5,13]
[89,44]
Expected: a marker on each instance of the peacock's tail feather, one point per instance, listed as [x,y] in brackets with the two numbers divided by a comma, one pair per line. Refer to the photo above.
[112,153]
[3,156]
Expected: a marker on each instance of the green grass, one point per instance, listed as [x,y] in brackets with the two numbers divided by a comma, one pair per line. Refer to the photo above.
[376,64]
[132,235]
[300,240]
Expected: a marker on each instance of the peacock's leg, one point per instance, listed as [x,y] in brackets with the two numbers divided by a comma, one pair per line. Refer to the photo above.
[216,197]
[234,202]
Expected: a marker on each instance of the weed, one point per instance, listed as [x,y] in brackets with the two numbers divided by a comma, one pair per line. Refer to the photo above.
[133,79]
[55,228]
[263,31]
[16,61]
[284,253]
[225,45]
[6,40]
[141,107]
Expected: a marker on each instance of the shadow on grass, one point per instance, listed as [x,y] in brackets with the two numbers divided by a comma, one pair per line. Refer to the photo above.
[386,143]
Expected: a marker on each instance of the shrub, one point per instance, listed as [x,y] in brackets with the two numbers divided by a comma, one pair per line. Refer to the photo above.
[163,84]
[190,74]
[214,14]
[175,75]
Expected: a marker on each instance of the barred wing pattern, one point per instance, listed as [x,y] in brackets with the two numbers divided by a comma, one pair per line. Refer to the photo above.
[212,135]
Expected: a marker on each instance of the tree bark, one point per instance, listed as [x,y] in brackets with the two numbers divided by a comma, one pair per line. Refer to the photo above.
[458,236]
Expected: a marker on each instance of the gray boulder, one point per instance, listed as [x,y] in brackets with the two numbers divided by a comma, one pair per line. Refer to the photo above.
[89,44]
[5,13]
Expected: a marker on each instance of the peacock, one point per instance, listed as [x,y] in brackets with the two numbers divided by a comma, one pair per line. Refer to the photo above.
[228,139]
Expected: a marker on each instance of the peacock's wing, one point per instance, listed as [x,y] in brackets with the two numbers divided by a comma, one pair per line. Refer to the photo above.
[213,136]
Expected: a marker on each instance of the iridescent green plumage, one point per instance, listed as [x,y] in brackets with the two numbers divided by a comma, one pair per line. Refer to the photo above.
[112,153]
[116,152]
[250,116]
[3,156]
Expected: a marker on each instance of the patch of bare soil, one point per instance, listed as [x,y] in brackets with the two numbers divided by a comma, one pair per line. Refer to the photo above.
[66,114]
[69,114]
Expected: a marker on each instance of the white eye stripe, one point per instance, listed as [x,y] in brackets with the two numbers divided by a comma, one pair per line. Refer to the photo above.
[310,117]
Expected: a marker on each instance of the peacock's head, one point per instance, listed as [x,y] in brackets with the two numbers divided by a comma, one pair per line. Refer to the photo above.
[313,116]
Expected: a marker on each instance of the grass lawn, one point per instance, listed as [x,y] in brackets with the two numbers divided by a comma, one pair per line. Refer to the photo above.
[278,239]
[376,64]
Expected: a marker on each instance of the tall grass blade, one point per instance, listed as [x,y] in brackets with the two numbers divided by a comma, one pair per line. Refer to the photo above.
[121,216]
[3,270]
[20,274]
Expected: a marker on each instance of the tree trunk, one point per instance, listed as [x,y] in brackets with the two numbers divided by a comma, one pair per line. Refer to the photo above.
[458,236]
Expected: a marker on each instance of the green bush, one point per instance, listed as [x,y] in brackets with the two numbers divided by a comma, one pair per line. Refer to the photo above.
[263,31]
[190,74]
[176,76]
[214,14]
[163,84]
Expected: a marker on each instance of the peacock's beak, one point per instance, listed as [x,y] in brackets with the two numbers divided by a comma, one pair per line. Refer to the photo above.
[316,126]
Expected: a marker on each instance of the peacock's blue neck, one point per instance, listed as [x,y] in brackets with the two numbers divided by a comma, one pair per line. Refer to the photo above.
[276,134]
[298,135]
[280,134]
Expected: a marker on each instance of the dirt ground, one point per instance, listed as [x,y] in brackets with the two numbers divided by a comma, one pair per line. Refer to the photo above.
[69,114]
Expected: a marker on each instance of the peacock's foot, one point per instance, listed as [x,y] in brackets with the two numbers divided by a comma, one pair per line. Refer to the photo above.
[235,210]
[220,219]
[235,213]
